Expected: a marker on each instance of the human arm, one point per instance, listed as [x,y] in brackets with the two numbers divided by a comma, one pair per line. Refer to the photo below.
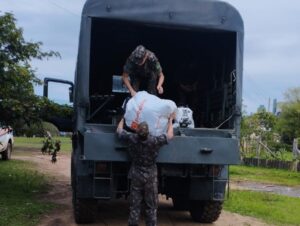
[126,81]
[170,131]
[120,126]
[122,134]
[163,139]
[157,70]
[160,83]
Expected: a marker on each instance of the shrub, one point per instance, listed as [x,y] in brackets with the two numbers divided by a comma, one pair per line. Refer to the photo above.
[51,128]
[38,130]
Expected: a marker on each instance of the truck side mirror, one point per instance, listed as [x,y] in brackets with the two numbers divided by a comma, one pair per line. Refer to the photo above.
[71,94]
[63,123]
[47,80]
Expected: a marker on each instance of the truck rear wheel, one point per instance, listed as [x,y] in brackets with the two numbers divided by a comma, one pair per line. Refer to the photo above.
[6,155]
[205,211]
[180,203]
[84,210]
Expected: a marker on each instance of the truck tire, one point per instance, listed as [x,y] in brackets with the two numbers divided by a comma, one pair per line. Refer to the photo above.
[205,211]
[84,210]
[73,175]
[6,155]
[180,203]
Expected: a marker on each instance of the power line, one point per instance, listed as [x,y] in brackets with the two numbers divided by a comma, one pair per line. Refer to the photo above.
[63,8]
[260,95]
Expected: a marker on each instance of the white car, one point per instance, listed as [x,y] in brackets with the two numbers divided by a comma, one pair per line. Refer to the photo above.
[6,142]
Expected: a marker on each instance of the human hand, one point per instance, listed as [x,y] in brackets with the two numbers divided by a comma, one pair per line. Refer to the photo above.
[120,125]
[160,89]
[132,93]
[172,116]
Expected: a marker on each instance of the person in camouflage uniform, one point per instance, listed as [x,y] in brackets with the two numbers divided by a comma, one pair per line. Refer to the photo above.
[143,150]
[142,66]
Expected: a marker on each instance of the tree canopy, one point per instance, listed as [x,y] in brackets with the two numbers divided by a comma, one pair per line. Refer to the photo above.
[275,132]
[258,123]
[18,103]
[289,119]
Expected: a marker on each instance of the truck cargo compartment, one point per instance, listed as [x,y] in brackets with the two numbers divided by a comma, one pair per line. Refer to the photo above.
[206,57]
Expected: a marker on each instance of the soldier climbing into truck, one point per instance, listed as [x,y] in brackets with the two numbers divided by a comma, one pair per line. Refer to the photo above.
[143,150]
[142,66]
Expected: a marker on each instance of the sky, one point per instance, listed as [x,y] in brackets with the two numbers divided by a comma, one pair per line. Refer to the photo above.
[271,45]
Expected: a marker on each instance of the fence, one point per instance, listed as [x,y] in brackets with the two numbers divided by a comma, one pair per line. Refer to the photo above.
[268,163]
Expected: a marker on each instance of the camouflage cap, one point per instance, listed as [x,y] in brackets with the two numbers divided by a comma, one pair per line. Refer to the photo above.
[138,54]
[143,130]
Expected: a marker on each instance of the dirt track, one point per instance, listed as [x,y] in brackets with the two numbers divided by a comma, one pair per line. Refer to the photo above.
[112,213]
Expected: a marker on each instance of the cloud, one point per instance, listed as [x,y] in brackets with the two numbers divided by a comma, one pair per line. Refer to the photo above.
[45,7]
[59,68]
[272,49]
[271,53]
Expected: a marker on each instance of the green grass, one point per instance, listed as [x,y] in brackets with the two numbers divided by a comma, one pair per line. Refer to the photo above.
[286,156]
[20,190]
[265,175]
[280,155]
[37,143]
[271,208]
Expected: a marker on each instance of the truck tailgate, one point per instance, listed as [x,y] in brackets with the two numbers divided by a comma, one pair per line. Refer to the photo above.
[101,146]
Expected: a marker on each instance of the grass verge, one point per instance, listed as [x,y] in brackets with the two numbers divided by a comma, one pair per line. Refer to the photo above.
[37,143]
[265,175]
[272,208]
[20,187]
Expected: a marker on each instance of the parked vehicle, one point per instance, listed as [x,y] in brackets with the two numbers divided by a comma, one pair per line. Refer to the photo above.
[193,167]
[6,142]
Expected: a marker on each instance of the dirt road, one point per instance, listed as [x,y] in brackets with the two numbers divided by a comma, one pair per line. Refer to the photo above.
[112,213]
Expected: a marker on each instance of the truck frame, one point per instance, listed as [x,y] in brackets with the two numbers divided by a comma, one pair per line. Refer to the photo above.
[193,167]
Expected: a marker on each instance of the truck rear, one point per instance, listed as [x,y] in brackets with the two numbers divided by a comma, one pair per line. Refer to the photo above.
[196,40]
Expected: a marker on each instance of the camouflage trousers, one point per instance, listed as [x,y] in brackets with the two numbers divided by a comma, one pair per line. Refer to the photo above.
[143,193]
[147,84]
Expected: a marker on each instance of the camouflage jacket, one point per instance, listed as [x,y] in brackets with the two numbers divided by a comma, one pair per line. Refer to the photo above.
[151,66]
[143,153]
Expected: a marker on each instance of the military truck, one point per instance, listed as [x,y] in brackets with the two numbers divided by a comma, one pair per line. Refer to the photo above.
[193,167]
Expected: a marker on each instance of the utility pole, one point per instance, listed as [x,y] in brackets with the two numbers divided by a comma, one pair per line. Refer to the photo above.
[274,106]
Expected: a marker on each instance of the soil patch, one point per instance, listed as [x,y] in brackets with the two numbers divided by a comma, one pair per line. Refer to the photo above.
[110,213]
[276,189]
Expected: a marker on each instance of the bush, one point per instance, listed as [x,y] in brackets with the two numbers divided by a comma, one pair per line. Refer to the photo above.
[51,128]
[38,130]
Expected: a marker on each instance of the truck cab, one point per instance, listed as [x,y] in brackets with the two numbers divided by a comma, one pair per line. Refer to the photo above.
[195,41]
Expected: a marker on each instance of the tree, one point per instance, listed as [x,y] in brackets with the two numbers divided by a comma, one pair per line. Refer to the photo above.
[292,95]
[258,123]
[18,103]
[289,119]
[258,129]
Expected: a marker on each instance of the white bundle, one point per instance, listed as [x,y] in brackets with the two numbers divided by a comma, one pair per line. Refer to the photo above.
[151,109]
[184,118]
